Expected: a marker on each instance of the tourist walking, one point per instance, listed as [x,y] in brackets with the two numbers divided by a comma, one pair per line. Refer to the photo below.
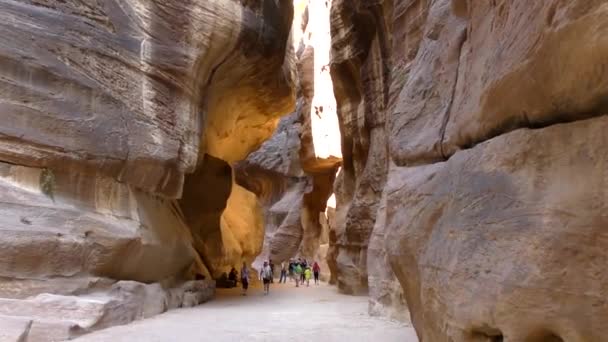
[316,269]
[271,270]
[303,264]
[232,277]
[266,275]
[245,278]
[292,266]
[283,276]
[307,275]
[297,273]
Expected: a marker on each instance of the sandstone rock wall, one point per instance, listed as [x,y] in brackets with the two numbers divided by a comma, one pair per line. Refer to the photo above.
[505,239]
[360,72]
[502,212]
[494,195]
[66,238]
[59,224]
[121,124]
[127,88]
[293,201]
[293,187]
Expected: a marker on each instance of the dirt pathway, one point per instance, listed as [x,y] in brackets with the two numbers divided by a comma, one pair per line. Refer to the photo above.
[317,313]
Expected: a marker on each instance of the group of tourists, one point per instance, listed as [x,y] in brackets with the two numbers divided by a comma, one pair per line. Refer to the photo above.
[299,271]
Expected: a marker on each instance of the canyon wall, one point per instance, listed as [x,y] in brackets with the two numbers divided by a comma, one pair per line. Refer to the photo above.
[293,172]
[360,73]
[121,124]
[489,209]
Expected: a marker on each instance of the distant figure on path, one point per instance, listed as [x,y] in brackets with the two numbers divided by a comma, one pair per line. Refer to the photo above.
[307,275]
[271,270]
[297,273]
[283,276]
[245,278]
[292,266]
[232,276]
[316,269]
[304,265]
[266,275]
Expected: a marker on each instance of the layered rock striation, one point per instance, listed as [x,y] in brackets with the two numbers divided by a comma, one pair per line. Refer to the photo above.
[489,210]
[360,72]
[293,172]
[121,124]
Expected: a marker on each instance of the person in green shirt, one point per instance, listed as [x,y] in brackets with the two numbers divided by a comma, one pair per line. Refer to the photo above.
[297,272]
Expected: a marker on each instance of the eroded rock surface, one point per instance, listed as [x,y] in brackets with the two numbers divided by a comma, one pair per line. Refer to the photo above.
[495,191]
[386,296]
[475,77]
[61,224]
[67,238]
[293,172]
[124,88]
[293,201]
[359,69]
[506,239]
[121,124]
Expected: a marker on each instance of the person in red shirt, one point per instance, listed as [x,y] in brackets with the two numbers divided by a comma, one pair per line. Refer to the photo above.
[316,269]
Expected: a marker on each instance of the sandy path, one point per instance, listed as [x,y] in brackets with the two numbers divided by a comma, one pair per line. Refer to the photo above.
[317,313]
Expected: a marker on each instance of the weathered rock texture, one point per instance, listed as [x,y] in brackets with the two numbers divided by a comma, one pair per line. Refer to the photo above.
[493,113]
[386,296]
[121,123]
[360,74]
[61,224]
[294,202]
[66,238]
[227,227]
[124,88]
[505,239]
[274,174]
[293,172]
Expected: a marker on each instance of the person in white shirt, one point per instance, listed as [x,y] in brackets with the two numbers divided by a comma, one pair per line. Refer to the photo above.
[266,276]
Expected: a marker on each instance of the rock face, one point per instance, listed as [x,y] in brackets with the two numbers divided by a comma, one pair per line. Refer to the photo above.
[125,88]
[274,174]
[360,74]
[293,172]
[386,296]
[61,224]
[294,202]
[477,102]
[492,112]
[505,239]
[226,227]
[121,124]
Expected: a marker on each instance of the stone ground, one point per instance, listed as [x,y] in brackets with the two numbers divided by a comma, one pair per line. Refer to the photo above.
[316,313]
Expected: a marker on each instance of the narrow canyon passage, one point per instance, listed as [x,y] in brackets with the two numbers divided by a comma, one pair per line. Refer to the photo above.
[439,162]
[316,313]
